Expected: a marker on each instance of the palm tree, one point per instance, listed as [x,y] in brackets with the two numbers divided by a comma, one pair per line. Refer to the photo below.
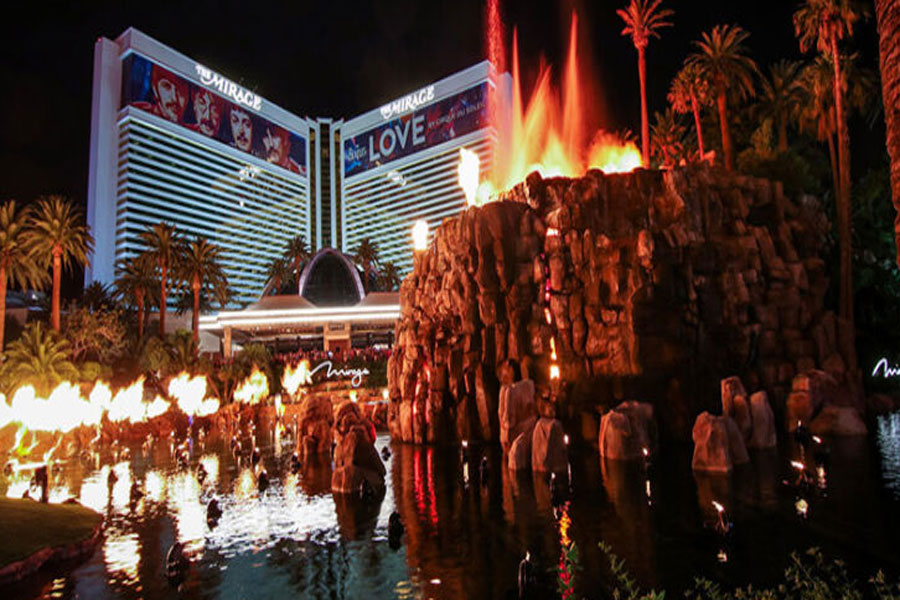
[16,264]
[135,283]
[366,254]
[690,91]
[822,23]
[781,94]
[297,253]
[161,242]
[39,358]
[643,20]
[58,236]
[668,137]
[97,296]
[198,266]
[721,58]
[389,276]
[887,15]
[278,272]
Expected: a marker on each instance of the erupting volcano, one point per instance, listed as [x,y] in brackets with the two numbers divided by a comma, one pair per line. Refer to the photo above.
[550,132]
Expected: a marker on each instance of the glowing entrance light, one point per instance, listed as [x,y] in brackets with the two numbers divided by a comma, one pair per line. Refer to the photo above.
[420,235]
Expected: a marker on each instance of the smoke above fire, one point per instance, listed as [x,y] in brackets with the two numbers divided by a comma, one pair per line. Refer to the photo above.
[549,132]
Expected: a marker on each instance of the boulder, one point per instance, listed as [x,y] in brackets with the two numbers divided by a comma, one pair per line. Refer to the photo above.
[517,407]
[718,445]
[737,408]
[355,458]
[763,422]
[548,447]
[519,457]
[627,431]
[731,387]
[838,420]
[314,426]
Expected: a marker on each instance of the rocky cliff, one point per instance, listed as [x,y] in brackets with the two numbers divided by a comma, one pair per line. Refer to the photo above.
[650,285]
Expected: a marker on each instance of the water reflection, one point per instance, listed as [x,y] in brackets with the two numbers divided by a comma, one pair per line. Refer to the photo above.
[461,541]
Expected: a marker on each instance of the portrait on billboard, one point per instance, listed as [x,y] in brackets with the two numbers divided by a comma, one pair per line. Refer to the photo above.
[156,90]
[422,128]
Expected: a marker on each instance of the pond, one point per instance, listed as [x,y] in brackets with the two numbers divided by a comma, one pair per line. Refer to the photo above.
[465,534]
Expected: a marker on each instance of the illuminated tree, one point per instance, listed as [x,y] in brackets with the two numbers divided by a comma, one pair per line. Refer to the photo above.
[278,272]
[668,137]
[887,14]
[16,263]
[643,20]
[40,358]
[162,243]
[389,277]
[198,267]
[135,284]
[721,58]
[366,254]
[780,95]
[297,253]
[823,23]
[690,91]
[58,236]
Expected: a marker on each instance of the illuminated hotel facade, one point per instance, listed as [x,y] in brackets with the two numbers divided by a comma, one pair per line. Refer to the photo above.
[177,142]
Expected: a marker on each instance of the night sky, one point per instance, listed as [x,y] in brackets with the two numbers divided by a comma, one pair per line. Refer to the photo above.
[332,58]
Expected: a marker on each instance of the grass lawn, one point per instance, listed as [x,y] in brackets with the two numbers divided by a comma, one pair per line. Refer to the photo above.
[27,526]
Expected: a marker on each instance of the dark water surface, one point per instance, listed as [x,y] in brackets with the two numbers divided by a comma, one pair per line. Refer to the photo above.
[464,539]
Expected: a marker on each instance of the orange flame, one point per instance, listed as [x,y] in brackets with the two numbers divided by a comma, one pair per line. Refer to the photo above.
[190,394]
[295,377]
[253,389]
[550,135]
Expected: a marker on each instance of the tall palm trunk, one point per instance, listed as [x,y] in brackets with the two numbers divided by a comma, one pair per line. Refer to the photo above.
[57,282]
[139,299]
[645,121]
[195,318]
[887,13]
[164,272]
[782,134]
[696,109]
[722,104]
[835,178]
[844,224]
[366,275]
[2,305]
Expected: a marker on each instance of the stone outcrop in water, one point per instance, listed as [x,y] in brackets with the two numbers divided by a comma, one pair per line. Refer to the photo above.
[548,448]
[628,431]
[650,284]
[762,435]
[355,457]
[718,444]
[314,427]
[517,411]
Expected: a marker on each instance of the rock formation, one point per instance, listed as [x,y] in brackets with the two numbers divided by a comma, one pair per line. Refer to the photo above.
[355,457]
[718,445]
[627,431]
[651,284]
[548,449]
[314,427]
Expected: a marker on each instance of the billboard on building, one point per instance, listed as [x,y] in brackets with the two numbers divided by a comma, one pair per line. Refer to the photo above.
[153,88]
[417,130]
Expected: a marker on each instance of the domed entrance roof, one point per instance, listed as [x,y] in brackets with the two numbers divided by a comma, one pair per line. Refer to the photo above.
[331,279]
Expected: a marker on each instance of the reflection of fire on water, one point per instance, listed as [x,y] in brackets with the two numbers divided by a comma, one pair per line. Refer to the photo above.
[549,134]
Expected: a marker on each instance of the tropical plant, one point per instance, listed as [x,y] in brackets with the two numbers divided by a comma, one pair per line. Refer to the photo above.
[183,352]
[40,357]
[136,285]
[643,20]
[297,253]
[688,93]
[58,237]
[16,264]
[389,277]
[366,255]
[97,335]
[162,244]
[98,296]
[887,15]
[721,59]
[780,96]
[278,272]
[668,137]
[822,24]
[198,267]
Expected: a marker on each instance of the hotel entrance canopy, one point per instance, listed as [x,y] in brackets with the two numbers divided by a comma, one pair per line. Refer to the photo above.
[292,316]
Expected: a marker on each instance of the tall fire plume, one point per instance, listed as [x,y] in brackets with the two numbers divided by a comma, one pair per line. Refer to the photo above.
[549,132]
